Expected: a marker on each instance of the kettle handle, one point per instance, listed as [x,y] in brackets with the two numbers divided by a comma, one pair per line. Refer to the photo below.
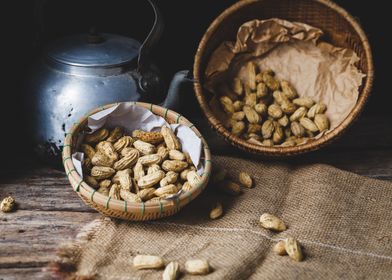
[152,38]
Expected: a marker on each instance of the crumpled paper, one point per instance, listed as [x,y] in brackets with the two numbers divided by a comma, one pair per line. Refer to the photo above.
[131,117]
[292,50]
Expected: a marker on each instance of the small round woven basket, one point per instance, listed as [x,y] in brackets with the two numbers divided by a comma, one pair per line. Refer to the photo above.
[122,209]
[340,29]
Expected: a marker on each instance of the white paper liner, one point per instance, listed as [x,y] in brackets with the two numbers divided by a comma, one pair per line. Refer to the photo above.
[318,70]
[131,117]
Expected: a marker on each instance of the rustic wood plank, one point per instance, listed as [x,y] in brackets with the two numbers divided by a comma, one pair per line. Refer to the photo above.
[23,273]
[30,238]
[50,191]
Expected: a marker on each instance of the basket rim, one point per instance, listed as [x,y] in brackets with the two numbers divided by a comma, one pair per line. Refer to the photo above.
[282,151]
[89,193]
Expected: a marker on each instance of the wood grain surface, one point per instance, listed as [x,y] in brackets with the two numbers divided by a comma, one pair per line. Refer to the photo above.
[49,212]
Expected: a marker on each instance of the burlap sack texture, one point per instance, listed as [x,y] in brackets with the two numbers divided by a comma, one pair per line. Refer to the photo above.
[342,220]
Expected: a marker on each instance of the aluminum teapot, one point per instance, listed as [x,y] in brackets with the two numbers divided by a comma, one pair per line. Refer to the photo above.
[81,72]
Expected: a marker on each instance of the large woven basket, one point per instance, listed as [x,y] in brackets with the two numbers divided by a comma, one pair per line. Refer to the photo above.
[340,29]
[122,209]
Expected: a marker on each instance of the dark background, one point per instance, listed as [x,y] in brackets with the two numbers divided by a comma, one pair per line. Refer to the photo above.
[186,22]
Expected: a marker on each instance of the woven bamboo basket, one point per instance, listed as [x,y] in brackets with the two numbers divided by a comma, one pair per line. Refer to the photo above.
[340,29]
[122,209]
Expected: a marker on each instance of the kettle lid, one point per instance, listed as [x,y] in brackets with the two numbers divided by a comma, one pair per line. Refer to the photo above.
[94,50]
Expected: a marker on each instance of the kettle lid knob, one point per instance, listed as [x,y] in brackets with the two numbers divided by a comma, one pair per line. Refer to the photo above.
[94,37]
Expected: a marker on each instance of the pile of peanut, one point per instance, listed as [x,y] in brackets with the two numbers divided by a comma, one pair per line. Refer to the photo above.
[268,112]
[147,166]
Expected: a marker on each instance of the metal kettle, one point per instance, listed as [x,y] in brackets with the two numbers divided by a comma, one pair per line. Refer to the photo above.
[81,72]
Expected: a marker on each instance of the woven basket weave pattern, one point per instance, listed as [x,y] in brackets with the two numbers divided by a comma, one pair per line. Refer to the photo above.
[340,29]
[122,209]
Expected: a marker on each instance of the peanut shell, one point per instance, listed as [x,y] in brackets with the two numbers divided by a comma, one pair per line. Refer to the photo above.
[279,248]
[102,172]
[171,140]
[269,221]
[245,180]
[144,147]
[308,124]
[147,262]
[7,204]
[251,115]
[293,249]
[321,121]
[97,136]
[115,134]
[174,165]
[197,267]
[150,180]
[152,137]
[217,211]
[304,102]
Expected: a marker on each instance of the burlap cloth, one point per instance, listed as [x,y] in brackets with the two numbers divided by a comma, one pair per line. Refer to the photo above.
[343,221]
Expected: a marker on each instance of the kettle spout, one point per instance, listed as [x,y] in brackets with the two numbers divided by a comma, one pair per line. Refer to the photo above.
[174,98]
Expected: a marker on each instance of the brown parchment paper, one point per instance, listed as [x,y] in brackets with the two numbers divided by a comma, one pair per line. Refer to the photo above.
[293,51]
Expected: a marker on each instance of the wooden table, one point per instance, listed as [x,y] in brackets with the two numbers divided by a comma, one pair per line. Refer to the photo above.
[49,212]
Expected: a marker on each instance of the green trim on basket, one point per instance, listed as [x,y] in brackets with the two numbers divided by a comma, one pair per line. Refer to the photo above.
[92,195]
[165,117]
[125,206]
[69,172]
[177,203]
[192,125]
[151,108]
[67,158]
[160,207]
[190,197]
[66,145]
[178,118]
[107,202]
[78,186]
[143,208]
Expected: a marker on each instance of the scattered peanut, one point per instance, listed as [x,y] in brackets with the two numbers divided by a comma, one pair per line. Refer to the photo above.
[147,262]
[293,249]
[7,204]
[279,248]
[171,271]
[197,267]
[245,180]
[216,211]
[269,221]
